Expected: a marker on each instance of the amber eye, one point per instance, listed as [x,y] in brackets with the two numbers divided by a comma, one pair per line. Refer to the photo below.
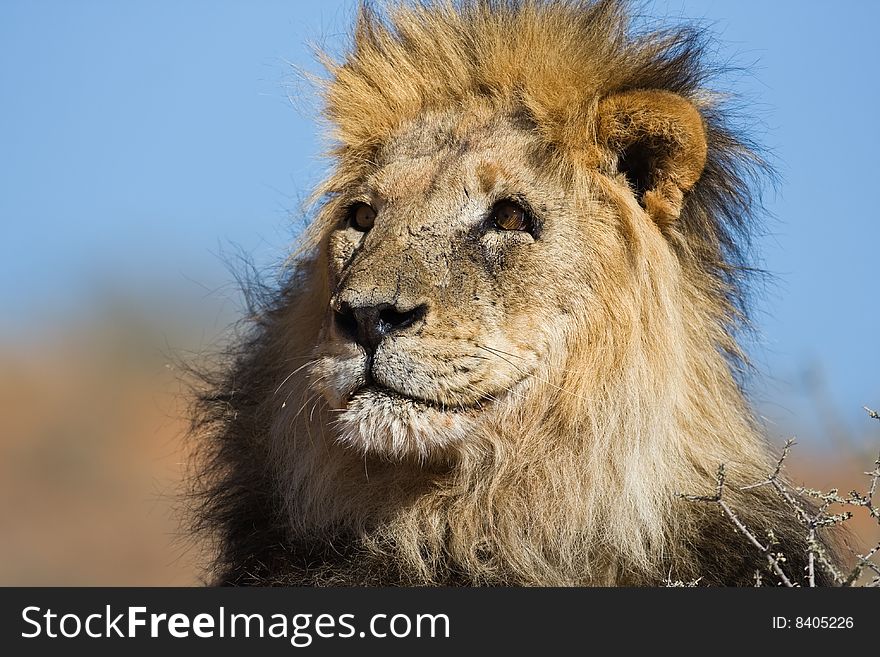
[362,216]
[508,215]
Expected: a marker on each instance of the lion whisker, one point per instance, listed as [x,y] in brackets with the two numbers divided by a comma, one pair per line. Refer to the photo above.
[534,375]
[312,361]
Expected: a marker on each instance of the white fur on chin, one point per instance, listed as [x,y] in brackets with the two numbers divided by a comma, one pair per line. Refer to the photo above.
[383,424]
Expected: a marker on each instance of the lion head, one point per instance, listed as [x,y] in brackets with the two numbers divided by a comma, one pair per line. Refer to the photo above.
[468,276]
[508,340]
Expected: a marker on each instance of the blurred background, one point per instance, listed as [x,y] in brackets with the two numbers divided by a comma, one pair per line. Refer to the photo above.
[143,145]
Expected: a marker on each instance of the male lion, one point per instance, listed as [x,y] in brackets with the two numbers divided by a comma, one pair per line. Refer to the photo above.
[507,344]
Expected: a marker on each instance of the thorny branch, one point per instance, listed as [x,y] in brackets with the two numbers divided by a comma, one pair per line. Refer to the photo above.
[812,522]
[773,559]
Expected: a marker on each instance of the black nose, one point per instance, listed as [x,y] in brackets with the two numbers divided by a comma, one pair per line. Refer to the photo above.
[369,325]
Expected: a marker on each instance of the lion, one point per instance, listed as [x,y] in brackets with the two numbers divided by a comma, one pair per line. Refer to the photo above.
[507,342]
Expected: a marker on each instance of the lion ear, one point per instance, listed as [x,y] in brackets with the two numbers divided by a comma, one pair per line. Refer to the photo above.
[657,139]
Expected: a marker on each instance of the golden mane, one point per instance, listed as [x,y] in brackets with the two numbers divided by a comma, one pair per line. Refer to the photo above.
[579,484]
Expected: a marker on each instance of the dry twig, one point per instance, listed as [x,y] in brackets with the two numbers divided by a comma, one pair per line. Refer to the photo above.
[812,521]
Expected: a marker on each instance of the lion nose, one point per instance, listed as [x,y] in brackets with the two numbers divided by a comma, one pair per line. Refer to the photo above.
[369,325]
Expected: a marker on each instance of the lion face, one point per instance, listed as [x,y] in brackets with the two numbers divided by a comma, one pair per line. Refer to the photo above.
[453,268]
[460,267]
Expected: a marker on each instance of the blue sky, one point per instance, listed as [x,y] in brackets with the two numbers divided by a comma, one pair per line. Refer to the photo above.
[139,139]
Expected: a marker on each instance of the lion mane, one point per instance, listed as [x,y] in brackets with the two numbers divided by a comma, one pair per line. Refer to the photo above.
[576,479]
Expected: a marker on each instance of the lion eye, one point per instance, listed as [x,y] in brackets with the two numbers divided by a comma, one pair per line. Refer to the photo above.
[508,215]
[362,217]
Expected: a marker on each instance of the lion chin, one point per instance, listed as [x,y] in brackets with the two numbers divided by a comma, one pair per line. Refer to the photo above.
[380,421]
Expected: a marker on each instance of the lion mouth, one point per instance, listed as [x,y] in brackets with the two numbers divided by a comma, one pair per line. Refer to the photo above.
[380,392]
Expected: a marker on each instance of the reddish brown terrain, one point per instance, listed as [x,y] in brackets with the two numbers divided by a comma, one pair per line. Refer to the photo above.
[91,460]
